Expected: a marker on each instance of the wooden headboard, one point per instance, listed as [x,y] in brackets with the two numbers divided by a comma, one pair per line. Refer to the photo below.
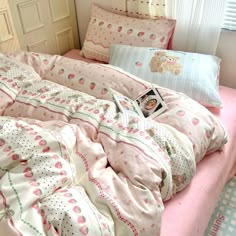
[83,9]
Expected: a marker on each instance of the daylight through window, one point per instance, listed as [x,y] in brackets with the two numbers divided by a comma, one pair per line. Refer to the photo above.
[230,15]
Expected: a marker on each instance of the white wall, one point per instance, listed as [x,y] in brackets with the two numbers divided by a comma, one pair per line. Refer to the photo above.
[226,50]
[83,9]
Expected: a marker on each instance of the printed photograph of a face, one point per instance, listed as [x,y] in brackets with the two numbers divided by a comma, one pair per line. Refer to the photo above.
[150,102]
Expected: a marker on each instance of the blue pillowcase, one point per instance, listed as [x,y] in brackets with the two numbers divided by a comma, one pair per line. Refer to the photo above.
[196,75]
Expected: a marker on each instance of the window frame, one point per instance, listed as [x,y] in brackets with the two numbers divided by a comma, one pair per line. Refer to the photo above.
[229,19]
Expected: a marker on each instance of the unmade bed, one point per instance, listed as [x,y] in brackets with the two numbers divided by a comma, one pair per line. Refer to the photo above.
[190,210]
[71,163]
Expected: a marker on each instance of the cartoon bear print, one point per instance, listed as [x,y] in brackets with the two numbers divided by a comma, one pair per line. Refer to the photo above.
[172,65]
[179,179]
[161,63]
[156,62]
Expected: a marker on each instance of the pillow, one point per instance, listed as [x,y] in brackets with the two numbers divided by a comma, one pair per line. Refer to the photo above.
[194,74]
[106,28]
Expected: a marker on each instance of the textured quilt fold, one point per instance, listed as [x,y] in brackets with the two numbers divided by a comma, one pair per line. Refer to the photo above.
[72,164]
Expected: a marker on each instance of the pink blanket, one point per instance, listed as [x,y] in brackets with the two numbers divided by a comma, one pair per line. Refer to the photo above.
[72,164]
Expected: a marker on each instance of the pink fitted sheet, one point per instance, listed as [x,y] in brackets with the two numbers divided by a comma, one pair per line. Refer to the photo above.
[189,212]
[76,54]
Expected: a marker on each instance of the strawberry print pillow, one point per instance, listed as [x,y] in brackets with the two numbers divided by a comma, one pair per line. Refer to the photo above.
[106,28]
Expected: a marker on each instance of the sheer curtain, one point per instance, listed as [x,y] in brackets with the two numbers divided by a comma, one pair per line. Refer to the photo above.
[198,21]
[140,8]
[198,24]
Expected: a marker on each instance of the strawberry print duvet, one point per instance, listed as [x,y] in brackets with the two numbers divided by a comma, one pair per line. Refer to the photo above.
[72,164]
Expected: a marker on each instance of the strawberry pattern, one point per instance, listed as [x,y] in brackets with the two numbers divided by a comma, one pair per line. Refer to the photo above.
[106,28]
[14,79]
[64,146]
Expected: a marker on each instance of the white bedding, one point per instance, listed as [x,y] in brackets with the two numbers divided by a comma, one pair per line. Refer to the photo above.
[86,168]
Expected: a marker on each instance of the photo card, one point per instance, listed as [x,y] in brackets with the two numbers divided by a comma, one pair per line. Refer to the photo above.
[151,103]
[127,105]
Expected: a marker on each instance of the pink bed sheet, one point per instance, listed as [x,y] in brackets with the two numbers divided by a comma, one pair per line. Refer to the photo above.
[76,54]
[189,212]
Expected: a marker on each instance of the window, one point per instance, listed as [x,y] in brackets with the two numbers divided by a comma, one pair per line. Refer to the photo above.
[230,15]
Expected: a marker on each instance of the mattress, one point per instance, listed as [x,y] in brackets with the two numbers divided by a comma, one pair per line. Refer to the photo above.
[189,212]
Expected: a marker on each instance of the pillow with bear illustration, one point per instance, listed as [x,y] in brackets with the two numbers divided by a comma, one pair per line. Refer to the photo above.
[196,75]
[106,28]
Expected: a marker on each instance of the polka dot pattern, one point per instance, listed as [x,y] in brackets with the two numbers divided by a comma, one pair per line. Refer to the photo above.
[71,164]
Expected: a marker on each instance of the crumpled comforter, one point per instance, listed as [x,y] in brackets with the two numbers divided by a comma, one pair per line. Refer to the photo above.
[72,164]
